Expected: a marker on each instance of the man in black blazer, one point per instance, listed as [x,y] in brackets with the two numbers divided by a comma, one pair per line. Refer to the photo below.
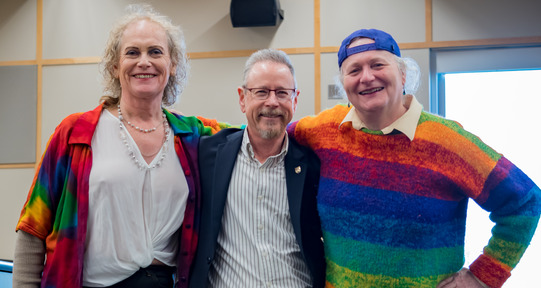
[259,222]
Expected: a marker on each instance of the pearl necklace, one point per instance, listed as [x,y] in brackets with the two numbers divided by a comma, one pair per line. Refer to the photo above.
[131,151]
[137,127]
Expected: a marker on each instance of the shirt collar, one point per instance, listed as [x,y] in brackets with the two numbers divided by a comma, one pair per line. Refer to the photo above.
[247,149]
[407,123]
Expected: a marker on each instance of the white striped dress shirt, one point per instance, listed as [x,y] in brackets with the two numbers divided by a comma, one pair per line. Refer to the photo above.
[256,244]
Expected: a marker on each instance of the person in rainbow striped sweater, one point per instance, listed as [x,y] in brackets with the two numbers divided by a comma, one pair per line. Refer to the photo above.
[395,182]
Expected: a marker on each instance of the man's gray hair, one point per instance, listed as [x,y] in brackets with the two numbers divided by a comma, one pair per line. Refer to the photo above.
[271,55]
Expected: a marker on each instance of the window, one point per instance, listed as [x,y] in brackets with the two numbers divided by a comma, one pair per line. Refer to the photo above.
[502,108]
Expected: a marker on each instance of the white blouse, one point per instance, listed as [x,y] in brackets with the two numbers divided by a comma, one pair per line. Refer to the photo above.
[134,214]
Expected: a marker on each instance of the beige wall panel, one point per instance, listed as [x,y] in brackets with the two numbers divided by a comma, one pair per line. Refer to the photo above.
[304,71]
[212,88]
[67,90]
[16,183]
[80,28]
[17,30]
[210,29]
[404,19]
[77,28]
[482,19]
[200,20]
[329,75]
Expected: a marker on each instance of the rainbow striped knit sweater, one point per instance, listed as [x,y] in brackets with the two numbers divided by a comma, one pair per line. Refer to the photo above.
[393,211]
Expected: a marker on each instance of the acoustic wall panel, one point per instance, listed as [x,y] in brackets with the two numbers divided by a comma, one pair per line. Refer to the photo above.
[18,94]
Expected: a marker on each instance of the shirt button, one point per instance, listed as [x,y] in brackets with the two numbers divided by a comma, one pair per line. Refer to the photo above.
[260,227]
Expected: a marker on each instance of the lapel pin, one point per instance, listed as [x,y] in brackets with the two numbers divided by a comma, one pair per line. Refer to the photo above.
[298,169]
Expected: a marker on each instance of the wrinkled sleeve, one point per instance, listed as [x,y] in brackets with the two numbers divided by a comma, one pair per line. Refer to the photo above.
[28,261]
[37,215]
[514,202]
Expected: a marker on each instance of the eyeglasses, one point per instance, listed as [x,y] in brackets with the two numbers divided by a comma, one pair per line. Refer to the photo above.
[263,93]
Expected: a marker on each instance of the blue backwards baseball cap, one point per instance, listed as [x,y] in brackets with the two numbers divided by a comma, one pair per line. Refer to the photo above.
[382,41]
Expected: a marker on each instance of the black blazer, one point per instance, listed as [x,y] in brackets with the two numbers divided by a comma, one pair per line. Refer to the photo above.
[217,156]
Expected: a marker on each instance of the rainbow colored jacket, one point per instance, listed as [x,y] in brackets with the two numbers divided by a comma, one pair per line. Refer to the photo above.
[56,209]
[393,211]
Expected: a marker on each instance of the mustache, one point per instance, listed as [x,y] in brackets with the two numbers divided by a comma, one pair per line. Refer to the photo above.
[271,112]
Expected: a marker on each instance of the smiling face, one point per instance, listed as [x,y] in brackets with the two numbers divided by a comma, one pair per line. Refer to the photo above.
[145,64]
[373,82]
[267,119]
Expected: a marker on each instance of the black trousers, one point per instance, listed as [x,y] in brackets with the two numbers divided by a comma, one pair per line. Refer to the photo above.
[158,276]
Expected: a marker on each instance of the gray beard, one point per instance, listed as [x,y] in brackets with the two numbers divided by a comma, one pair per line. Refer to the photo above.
[270,133]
